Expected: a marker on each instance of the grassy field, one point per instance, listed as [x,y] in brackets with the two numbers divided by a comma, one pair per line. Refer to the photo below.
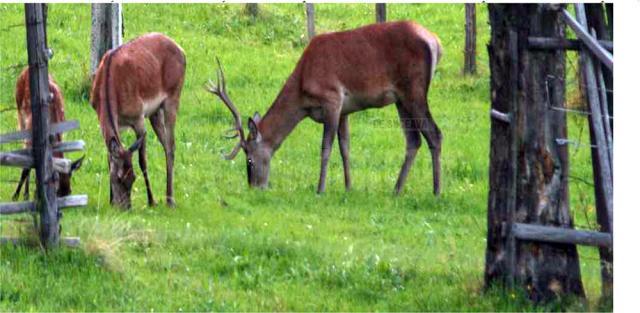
[228,248]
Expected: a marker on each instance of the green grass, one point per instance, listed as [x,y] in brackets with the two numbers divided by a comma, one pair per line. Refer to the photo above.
[229,248]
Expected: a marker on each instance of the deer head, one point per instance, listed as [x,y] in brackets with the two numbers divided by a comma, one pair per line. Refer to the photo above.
[258,153]
[121,171]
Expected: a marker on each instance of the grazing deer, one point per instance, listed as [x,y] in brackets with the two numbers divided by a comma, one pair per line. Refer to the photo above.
[142,78]
[56,115]
[341,73]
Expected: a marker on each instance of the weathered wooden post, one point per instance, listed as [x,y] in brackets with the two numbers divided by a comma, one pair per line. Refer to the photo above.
[106,30]
[528,178]
[601,153]
[470,39]
[46,177]
[381,13]
[252,9]
[596,20]
[311,20]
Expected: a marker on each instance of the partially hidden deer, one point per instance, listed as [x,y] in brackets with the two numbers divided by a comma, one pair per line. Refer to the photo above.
[341,73]
[140,79]
[56,115]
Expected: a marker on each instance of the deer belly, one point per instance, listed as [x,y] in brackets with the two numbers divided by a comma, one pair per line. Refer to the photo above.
[150,106]
[352,103]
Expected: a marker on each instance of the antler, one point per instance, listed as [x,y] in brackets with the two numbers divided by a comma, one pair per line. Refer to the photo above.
[219,89]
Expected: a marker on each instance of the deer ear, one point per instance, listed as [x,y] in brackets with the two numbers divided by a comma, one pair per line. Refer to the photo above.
[136,145]
[253,129]
[76,164]
[256,117]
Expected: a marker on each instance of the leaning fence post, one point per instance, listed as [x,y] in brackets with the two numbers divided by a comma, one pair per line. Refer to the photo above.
[46,202]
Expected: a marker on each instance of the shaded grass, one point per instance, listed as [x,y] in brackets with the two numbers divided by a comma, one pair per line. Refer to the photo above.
[228,248]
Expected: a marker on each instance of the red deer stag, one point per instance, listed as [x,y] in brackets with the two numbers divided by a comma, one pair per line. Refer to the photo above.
[56,114]
[142,78]
[341,73]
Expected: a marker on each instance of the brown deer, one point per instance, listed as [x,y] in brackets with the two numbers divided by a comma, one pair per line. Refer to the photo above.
[142,78]
[56,115]
[341,73]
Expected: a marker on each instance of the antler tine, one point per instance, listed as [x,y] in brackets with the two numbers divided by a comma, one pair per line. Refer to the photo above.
[233,152]
[220,90]
[221,81]
[235,135]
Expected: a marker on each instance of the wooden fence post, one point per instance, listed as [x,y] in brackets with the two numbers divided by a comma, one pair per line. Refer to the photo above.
[46,178]
[252,9]
[311,20]
[106,30]
[539,166]
[381,12]
[470,39]
[600,155]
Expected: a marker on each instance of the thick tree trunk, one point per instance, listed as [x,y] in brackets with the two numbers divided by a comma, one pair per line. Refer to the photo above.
[470,39]
[311,20]
[381,12]
[532,187]
[106,30]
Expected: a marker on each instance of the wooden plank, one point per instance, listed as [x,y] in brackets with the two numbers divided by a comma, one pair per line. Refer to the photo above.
[62,147]
[547,43]
[561,235]
[71,242]
[29,206]
[381,13]
[26,134]
[18,160]
[504,117]
[16,207]
[580,29]
[15,160]
[73,201]
[311,20]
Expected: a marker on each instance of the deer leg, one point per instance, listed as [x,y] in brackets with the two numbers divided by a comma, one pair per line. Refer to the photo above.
[110,187]
[343,141]
[432,134]
[331,121]
[26,185]
[23,178]
[412,136]
[170,108]
[142,160]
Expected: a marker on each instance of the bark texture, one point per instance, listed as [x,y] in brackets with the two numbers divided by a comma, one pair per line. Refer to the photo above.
[531,188]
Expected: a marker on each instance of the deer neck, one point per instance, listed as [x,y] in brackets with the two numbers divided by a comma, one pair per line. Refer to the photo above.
[282,117]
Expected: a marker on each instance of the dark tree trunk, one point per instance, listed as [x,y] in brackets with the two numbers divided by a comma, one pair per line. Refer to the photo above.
[532,187]
[311,20]
[381,13]
[46,177]
[470,39]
